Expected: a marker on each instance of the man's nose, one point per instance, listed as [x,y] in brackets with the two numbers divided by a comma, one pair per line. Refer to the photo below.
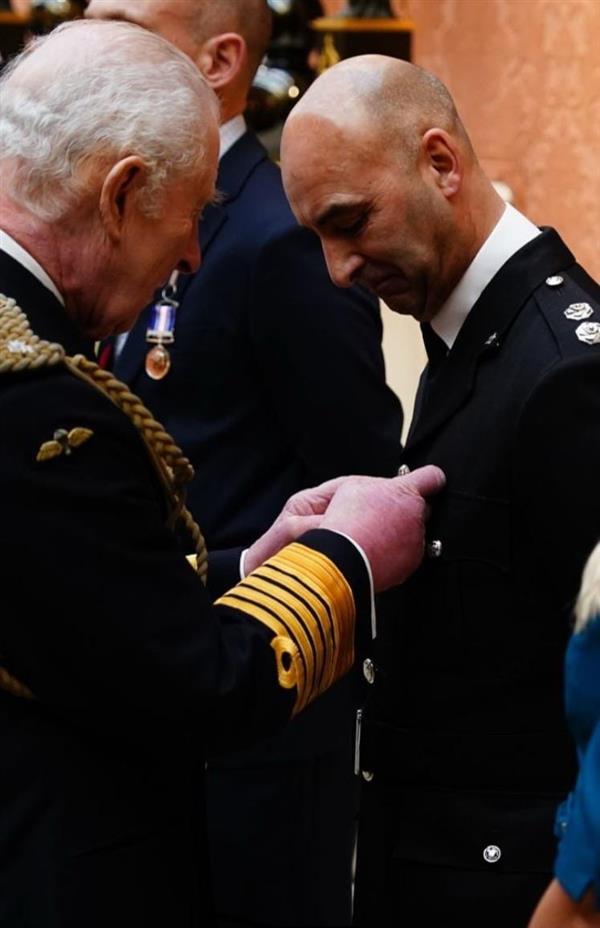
[343,264]
[192,257]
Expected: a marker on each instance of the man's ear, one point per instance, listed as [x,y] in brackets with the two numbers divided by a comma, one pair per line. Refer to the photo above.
[221,59]
[120,186]
[441,159]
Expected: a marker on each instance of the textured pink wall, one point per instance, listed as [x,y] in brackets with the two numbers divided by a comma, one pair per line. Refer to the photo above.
[525,75]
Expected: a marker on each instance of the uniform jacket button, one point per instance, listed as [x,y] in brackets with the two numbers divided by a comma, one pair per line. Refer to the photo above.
[369,670]
[434,548]
[403,470]
[367,775]
[492,854]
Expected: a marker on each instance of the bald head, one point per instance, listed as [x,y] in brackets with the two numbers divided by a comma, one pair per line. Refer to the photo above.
[376,160]
[397,100]
[189,24]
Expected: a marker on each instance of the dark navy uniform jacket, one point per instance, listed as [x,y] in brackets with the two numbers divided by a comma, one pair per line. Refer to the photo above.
[134,673]
[464,730]
[277,383]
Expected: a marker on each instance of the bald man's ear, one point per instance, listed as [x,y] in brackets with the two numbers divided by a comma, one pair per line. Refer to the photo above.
[442,161]
[222,58]
[118,194]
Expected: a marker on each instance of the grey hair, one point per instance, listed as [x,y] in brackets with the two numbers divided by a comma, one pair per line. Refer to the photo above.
[588,601]
[133,95]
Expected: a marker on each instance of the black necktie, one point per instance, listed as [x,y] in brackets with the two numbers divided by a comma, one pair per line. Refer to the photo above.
[437,352]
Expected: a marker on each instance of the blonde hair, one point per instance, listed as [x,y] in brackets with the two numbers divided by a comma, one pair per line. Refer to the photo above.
[588,601]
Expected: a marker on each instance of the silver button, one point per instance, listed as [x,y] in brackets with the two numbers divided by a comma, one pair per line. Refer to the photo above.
[555,281]
[403,470]
[367,775]
[369,670]
[492,854]
[434,548]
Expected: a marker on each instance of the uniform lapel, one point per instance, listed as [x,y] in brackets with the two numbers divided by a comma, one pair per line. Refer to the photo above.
[235,168]
[483,332]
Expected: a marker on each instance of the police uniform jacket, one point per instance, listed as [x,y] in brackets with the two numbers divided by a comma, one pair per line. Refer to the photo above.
[133,673]
[463,745]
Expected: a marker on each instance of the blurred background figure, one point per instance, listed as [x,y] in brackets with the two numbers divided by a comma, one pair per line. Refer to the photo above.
[573,898]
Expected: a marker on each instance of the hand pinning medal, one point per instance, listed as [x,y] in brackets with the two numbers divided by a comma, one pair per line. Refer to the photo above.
[161,331]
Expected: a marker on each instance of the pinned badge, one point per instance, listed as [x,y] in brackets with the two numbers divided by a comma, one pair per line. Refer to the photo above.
[588,332]
[63,442]
[555,281]
[578,311]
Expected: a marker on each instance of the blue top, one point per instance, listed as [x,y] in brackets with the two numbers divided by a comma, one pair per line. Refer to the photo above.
[578,821]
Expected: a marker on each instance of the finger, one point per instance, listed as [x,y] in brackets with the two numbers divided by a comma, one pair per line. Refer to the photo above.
[426,480]
[315,499]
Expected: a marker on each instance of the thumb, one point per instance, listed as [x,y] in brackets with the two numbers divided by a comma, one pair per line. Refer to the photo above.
[426,480]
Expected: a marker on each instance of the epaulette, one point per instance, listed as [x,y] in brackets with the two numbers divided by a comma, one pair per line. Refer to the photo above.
[20,348]
[572,314]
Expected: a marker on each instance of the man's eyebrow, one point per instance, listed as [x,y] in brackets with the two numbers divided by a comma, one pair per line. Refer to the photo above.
[336,210]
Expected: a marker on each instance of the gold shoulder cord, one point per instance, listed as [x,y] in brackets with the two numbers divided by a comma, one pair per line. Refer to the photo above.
[21,349]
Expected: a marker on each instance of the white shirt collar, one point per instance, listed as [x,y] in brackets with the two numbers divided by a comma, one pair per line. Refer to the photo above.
[16,251]
[511,232]
[230,132]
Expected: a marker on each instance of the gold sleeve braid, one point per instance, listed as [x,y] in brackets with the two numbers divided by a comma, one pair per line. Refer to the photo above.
[21,349]
[303,597]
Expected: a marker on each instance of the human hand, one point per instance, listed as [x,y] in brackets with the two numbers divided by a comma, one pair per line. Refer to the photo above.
[557,910]
[386,517]
[302,512]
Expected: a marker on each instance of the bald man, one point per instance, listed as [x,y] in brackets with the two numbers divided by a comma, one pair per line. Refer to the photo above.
[463,747]
[277,382]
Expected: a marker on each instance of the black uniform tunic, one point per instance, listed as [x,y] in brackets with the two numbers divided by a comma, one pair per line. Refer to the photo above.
[464,745]
[134,673]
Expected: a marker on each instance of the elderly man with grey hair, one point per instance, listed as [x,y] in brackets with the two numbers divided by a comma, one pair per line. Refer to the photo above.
[116,673]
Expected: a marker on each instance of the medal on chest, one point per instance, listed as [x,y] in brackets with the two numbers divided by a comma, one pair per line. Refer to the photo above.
[161,331]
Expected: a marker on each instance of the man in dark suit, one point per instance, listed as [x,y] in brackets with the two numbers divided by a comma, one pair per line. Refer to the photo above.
[463,751]
[277,382]
[116,673]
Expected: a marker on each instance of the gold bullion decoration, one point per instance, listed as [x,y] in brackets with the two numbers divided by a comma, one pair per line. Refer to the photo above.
[63,441]
[303,597]
[579,311]
[588,332]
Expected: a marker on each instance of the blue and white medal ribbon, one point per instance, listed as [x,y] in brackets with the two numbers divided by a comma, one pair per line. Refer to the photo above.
[161,331]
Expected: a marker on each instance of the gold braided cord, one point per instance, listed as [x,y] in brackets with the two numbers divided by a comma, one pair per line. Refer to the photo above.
[22,350]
